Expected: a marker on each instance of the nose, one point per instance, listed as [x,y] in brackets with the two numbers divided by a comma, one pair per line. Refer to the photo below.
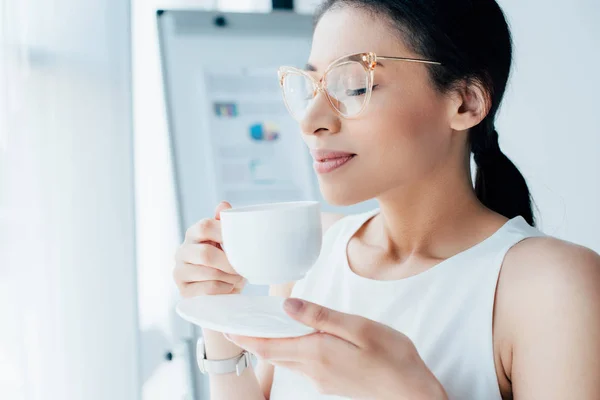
[320,117]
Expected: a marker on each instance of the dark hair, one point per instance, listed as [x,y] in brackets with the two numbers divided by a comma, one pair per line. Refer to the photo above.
[472,40]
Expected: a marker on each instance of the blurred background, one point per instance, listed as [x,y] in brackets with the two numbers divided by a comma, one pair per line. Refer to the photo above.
[123,122]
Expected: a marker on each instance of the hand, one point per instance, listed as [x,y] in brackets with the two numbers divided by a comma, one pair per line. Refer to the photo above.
[349,356]
[201,267]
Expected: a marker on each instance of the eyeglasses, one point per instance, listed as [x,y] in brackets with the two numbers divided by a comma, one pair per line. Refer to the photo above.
[347,83]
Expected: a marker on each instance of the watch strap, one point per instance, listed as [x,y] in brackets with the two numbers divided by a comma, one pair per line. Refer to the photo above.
[235,364]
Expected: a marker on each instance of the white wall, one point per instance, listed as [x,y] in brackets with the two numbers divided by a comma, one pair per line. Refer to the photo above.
[550,124]
[67,257]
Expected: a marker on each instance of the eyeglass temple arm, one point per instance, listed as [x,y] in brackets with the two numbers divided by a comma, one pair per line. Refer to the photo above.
[410,60]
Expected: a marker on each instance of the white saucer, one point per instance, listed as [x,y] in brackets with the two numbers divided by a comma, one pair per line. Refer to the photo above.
[257,316]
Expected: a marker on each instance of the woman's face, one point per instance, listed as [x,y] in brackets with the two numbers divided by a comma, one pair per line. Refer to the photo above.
[404,133]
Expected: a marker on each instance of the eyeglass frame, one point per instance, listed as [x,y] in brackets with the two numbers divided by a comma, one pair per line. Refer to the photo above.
[367,60]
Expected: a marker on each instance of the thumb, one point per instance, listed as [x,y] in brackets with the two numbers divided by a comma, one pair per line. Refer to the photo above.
[224,205]
[346,326]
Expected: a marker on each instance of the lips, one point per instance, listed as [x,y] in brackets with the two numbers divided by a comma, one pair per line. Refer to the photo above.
[329,160]
[321,155]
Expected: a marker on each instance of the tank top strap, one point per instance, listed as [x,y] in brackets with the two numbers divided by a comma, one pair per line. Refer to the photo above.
[496,247]
[350,224]
[518,229]
[340,231]
[515,231]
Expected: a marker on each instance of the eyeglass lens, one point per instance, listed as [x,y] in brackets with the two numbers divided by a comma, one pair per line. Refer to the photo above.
[346,85]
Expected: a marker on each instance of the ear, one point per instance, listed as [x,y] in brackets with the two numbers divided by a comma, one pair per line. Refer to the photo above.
[469,106]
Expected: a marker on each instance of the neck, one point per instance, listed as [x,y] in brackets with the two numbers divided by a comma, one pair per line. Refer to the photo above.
[432,216]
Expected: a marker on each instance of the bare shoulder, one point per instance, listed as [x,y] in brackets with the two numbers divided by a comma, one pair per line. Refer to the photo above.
[285,289]
[542,273]
[547,263]
[548,301]
[548,274]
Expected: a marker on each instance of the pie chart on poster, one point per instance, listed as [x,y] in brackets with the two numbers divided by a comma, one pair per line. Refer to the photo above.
[256,316]
[264,132]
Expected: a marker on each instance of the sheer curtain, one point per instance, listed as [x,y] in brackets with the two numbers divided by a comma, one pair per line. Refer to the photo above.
[67,254]
[20,215]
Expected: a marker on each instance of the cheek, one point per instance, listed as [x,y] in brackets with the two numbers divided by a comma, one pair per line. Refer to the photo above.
[412,127]
[405,134]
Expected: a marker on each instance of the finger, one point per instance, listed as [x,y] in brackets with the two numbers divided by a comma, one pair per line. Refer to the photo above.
[205,288]
[205,254]
[205,230]
[285,349]
[352,328]
[224,205]
[189,273]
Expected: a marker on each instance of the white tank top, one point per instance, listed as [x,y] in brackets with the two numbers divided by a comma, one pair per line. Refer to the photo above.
[446,310]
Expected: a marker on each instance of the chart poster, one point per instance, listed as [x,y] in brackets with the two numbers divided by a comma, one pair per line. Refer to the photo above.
[256,146]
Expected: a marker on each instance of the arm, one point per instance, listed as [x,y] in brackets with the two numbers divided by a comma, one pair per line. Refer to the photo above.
[229,386]
[265,371]
[554,295]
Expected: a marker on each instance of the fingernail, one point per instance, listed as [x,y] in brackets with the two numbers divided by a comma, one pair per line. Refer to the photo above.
[293,305]
[227,337]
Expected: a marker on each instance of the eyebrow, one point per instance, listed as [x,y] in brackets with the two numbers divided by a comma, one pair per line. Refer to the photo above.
[310,67]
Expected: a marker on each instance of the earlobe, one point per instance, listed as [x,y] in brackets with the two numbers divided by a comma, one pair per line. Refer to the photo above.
[470,107]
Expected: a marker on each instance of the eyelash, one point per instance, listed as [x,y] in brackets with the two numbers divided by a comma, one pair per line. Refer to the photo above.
[363,91]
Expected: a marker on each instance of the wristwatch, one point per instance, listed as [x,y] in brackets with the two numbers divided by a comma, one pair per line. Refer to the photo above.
[235,364]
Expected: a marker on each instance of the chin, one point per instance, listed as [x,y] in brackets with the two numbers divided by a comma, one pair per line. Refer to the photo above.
[340,195]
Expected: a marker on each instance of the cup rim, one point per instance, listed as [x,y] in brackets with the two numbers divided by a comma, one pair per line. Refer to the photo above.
[270,207]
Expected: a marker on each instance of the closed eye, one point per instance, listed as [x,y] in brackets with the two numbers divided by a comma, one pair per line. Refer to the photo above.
[358,92]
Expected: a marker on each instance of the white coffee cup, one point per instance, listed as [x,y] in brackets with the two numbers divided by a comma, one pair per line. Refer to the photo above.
[272,243]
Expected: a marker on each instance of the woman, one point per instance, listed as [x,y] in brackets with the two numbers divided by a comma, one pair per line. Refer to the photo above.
[444,291]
